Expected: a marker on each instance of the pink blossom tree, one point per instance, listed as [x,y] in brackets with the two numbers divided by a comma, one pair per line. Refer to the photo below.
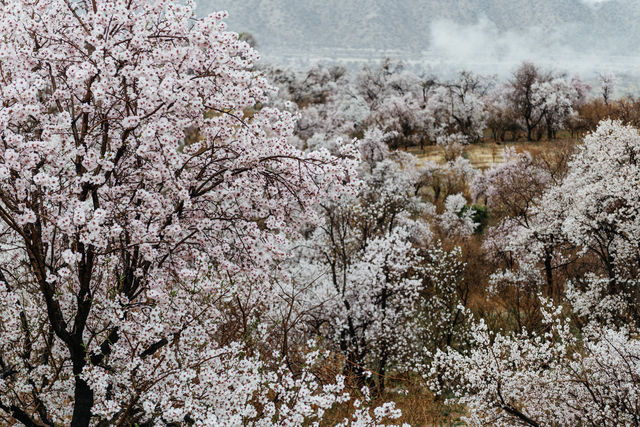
[511,190]
[136,199]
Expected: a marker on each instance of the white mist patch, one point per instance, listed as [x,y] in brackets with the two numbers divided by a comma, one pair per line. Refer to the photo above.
[483,47]
[482,41]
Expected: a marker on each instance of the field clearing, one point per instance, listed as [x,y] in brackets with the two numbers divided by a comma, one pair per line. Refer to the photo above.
[486,154]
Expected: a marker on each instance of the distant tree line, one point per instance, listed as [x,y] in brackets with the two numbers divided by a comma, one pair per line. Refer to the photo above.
[414,110]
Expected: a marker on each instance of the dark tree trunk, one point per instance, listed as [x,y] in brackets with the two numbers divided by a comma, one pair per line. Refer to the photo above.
[549,275]
[83,399]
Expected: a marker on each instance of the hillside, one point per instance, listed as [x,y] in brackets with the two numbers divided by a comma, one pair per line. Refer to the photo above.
[291,25]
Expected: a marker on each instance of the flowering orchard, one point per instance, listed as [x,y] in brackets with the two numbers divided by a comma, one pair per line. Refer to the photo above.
[181,243]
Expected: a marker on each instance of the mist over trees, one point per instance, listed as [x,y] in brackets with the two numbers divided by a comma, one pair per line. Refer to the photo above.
[189,237]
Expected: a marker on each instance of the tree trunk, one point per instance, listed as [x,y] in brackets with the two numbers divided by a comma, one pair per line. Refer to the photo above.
[83,399]
[549,275]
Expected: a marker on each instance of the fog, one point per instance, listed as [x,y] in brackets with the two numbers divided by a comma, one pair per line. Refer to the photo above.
[485,49]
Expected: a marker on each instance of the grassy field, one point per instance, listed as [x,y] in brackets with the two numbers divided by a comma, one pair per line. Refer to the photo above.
[485,154]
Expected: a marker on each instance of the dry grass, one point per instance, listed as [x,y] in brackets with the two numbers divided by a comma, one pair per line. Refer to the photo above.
[419,408]
[486,154]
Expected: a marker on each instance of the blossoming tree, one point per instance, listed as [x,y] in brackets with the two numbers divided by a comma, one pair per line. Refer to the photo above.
[136,196]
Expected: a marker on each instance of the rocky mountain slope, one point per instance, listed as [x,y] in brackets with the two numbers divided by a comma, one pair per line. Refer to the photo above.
[408,25]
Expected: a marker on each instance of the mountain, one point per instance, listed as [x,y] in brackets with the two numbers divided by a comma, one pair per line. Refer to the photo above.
[407,25]
[441,37]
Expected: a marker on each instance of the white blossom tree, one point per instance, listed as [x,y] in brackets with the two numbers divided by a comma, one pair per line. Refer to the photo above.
[595,204]
[365,264]
[459,107]
[552,378]
[607,86]
[522,238]
[556,98]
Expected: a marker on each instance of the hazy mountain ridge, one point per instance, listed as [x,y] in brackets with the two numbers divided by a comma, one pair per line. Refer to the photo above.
[407,25]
